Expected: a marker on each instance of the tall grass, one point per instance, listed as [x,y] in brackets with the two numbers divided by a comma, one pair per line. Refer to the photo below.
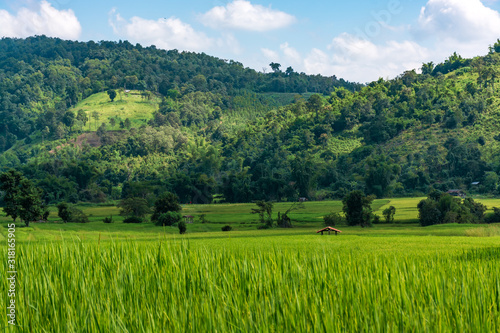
[489,231]
[177,287]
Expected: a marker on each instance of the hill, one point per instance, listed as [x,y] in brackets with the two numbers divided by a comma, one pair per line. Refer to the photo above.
[206,128]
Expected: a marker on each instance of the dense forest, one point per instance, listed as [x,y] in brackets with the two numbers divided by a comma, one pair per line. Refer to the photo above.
[212,129]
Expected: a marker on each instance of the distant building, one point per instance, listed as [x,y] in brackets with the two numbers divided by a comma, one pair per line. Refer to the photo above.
[457,193]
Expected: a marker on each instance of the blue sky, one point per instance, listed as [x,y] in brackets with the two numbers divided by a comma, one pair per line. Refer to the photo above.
[356,40]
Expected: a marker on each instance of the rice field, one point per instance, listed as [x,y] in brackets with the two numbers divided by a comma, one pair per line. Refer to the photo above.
[115,277]
[261,282]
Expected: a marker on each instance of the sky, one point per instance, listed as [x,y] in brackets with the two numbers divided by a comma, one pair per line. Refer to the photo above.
[358,40]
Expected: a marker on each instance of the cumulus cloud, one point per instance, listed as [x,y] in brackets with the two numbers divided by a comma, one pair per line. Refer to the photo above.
[164,33]
[243,15]
[354,58]
[270,54]
[467,26]
[43,19]
[363,60]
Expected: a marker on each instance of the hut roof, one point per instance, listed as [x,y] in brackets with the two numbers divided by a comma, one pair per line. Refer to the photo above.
[328,229]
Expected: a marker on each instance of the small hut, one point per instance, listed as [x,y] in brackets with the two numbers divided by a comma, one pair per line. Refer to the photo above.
[329,229]
[188,219]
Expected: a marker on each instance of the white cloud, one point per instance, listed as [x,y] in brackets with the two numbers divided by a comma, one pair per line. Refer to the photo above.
[229,42]
[354,59]
[270,54]
[164,33]
[243,15]
[467,27]
[362,60]
[43,19]
[291,55]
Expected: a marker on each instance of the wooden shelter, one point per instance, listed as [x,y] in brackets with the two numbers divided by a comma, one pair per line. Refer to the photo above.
[188,219]
[329,229]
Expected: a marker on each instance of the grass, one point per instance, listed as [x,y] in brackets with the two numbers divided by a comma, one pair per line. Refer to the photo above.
[263,282]
[130,105]
[118,277]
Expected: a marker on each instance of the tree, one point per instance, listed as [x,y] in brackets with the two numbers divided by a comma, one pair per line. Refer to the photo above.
[82,117]
[131,80]
[95,115]
[182,227]
[167,202]
[284,221]
[314,104]
[111,94]
[265,211]
[389,214]
[275,67]
[70,213]
[127,123]
[427,68]
[357,209]
[63,212]
[69,119]
[134,207]
[21,198]
[168,219]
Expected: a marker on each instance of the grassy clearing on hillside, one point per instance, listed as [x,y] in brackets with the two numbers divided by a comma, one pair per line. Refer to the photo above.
[130,105]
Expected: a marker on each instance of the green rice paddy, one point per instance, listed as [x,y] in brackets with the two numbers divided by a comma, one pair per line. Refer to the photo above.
[115,277]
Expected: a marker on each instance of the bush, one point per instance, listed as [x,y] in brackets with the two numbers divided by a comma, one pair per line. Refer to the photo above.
[182,227]
[493,217]
[108,219]
[168,218]
[69,213]
[78,216]
[133,219]
[227,228]
[389,214]
[332,219]
[203,219]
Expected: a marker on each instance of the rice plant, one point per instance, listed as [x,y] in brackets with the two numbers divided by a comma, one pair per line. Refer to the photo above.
[181,286]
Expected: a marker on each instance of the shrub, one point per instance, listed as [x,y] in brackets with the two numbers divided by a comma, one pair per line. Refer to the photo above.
[332,219]
[227,228]
[108,219]
[493,217]
[389,214]
[168,218]
[202,219]
[182,227]
[78,216]
[167,202]
[69,213]
[133,219]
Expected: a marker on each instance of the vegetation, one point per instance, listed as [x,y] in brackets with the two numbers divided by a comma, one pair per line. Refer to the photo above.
[69,213]
[438,282]
[357,209]
[441,208]
[206,129]
[21,198]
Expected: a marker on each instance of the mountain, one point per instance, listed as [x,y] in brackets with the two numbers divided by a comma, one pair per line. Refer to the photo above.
[209,129]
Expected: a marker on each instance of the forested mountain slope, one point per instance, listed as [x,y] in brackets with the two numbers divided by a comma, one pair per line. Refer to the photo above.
[201,126]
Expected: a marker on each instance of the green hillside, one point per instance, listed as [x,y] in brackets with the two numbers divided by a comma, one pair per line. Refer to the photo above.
[209,129]
[131,105]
